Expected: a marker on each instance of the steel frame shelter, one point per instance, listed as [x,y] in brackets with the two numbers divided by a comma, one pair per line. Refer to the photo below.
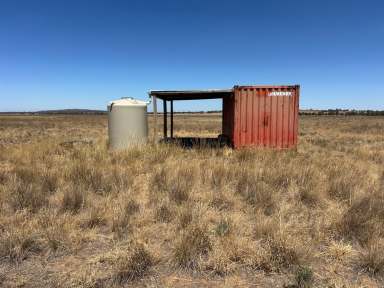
[172,95]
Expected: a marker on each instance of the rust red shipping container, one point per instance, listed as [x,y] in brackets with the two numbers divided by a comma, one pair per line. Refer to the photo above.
[265,116]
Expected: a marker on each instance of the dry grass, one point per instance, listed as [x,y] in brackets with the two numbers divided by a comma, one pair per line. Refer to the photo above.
[194,244]
[72,213]
[134,266]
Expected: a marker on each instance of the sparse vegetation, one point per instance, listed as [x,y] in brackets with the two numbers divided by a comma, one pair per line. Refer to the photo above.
[73,199]
[304,277]
[72,212]
[372,258]
[222,228]
[134,266]
[163,214]
[192,246]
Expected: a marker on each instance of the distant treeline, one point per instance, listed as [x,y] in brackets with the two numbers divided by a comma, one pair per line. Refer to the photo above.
[344,112]
[60,112]
[73,111]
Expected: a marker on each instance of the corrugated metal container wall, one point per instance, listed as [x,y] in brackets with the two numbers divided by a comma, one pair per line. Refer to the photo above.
[264,116]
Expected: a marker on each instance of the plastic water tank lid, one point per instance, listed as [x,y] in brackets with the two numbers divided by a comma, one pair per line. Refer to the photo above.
[128,101]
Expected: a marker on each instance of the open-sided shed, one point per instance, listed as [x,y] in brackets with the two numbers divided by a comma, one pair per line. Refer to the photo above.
[265,116]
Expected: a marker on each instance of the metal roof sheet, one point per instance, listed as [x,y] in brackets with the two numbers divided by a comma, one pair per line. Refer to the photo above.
[191,94]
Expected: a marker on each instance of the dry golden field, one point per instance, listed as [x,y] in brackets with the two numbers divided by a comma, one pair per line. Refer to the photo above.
[73,214]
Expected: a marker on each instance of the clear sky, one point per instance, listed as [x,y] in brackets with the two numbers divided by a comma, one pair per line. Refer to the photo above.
[83,53]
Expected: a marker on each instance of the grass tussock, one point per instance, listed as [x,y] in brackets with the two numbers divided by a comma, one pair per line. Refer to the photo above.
[95,217]
[372,257]
[175,182]
[25,194]
[74,199]
[344,181]
[220,202]
[223,228]
[185,217]
[304,277]
[163,213]
[364,219]
[134,266]
[18,243]
[282,254]
[193,245]
[255,192]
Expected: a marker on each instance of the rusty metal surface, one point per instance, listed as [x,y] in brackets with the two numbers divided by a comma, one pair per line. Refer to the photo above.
[264,116]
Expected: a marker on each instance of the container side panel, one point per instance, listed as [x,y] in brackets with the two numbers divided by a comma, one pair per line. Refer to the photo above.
[252,126]
[283,120]
[256,103]
[240,116]
[296,113]
[249,117]
[293,116]
[279,119]
[244,117]
[265,116]
[261,117]
[255,116]
[270,123]
[290,118]
[273,121]
[288,125]
[264,93]
[288,110]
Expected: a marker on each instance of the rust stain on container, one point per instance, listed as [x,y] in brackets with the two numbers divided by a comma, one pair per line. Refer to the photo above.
[264,116]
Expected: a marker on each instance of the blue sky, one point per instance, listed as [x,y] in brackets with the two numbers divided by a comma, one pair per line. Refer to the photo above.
[83,53]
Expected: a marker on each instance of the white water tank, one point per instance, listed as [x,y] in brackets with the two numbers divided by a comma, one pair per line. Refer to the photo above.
[127,123]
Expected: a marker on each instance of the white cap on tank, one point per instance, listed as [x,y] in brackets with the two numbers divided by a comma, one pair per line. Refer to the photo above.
[128,101]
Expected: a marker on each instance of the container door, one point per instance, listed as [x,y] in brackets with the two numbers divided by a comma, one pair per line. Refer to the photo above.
[253,117]
[282,117]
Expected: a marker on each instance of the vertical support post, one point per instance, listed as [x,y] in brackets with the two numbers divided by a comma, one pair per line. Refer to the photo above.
[154,117]
[171,119]
[165,118]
